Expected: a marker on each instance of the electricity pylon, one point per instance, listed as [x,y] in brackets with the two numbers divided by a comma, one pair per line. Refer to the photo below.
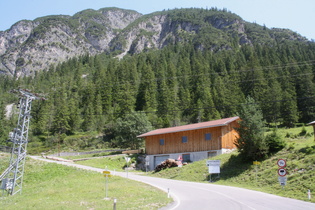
[12,177]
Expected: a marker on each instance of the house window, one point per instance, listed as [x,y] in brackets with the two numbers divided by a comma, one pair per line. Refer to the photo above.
[184,139]
[186,157]
[162,142]
[208,136]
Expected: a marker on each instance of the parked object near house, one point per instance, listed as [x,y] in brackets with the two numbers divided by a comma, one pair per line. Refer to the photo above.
[192,142]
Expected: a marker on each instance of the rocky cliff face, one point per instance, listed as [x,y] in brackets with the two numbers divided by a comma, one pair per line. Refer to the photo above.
[30,46]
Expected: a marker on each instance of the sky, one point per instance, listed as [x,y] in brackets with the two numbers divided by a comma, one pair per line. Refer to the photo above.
[297,15]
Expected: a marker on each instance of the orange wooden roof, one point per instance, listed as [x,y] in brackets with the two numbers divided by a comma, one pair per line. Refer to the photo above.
[208,124]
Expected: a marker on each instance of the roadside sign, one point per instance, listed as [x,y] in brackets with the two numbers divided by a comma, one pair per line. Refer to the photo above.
[180,158]
[282,163]
[282,172]
[127,159]
[282,180]
[256,162]
[179,161]
[107,174]
[213,163]
[214,166]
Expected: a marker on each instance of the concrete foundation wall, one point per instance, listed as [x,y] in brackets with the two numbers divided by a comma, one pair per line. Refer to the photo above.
[194,156]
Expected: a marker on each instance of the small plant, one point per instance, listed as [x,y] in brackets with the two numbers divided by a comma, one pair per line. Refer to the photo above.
[291,147]
[303,131]
[288,135]
[307,150]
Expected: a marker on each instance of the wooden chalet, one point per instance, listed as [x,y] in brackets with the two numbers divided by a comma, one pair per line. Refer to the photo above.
[191,142]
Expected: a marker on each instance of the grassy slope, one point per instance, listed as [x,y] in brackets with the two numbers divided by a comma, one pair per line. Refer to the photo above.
[53,186]
[114,163]
[300,159]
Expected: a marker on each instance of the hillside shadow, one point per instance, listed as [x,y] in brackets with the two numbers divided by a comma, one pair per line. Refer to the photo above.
[234,167]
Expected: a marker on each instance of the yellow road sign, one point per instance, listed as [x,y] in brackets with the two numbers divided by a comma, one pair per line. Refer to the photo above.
[106,172]
[107,175]
[256,162]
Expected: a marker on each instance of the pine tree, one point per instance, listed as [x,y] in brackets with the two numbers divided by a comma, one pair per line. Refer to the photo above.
[42,115]
[251,142]
[202,94]
[61,120]
[75,120]
[305,91]
[146,98]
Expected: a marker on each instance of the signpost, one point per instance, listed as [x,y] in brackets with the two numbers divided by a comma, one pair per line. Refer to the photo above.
[213,167]
[106,175]
[282,172]
[282,163]
[282,180]
[127,161]
[256,163]
[180,161]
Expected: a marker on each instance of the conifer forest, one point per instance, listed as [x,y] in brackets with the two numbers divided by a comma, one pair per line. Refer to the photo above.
[176,85]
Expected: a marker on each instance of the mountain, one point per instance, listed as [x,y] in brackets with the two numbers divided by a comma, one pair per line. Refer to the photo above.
[30,46]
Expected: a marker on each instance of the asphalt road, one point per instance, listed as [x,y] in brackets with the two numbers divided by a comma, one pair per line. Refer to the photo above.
[199,196]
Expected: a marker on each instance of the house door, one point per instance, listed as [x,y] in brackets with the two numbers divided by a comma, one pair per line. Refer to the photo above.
[160,159]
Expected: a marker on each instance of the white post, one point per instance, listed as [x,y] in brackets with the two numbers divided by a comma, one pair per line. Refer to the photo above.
[106,187]
[115,201]
[127,161]
[309,194]
[168,192]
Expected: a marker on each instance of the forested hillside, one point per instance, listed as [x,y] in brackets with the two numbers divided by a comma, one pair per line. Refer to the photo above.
[181,83]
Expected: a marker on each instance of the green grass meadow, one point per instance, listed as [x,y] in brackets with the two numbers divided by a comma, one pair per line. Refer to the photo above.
[113,163]
[54,186]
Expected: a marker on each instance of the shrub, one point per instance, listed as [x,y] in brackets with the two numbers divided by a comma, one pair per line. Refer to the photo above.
[291,146]
[275,142]
[303,131]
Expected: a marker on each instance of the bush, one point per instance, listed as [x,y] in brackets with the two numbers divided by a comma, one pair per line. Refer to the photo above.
[307,150]
[303,131]
[291,146]
[275,142]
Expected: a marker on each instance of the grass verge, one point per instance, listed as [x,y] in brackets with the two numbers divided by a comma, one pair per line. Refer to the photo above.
[54,186]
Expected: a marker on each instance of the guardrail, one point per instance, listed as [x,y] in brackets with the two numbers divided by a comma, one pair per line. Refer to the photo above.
[84,153]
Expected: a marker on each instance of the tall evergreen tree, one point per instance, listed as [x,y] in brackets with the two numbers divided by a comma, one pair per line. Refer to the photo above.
[60,124]
[251,143]
[306,92]
[146,98]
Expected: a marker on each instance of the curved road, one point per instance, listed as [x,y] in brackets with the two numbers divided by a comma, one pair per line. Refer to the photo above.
[192,195]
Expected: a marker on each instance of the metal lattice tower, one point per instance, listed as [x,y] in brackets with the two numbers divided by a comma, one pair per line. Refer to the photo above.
[12,178]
